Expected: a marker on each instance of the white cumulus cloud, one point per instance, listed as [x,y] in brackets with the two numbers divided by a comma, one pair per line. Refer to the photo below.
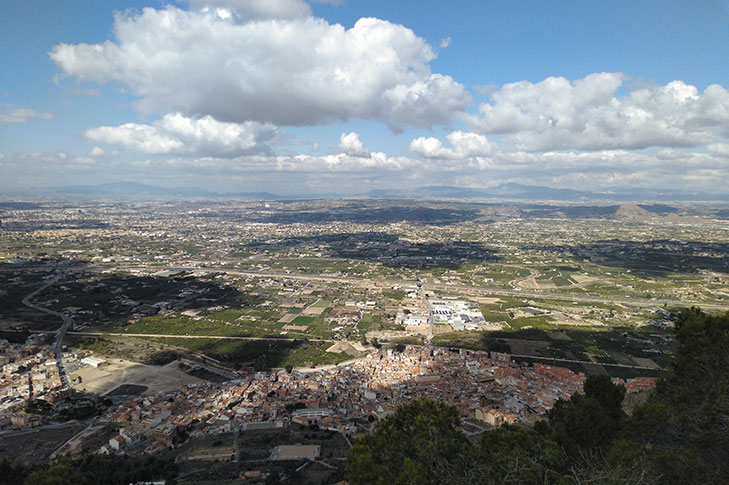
[177,134]
[299,71]
[350,144]
[465,145]
[588,114]
[430,147]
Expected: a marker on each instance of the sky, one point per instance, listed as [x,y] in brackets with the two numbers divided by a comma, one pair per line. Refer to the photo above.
[347,96]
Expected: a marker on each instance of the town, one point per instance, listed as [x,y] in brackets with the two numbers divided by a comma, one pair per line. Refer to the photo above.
[488,388]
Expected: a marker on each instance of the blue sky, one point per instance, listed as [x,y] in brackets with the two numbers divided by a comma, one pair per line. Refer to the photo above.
[295,98]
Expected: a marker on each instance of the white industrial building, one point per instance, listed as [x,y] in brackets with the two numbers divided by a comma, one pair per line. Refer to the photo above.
[460,314]
[92,361]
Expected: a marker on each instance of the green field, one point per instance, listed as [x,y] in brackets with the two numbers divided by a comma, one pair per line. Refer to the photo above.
[261,354]
[180,325]
[302,320]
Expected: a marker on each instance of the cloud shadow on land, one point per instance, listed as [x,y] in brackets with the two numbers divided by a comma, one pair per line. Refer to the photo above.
[658,257]
[367,214]
[111,297]
[261,354]
[387,249]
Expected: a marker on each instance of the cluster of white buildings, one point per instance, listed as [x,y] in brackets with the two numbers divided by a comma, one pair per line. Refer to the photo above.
[420,308]
[459,314]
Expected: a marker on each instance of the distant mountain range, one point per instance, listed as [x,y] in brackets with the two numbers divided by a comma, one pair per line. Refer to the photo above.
[134,190]
[514,191]
[508,191]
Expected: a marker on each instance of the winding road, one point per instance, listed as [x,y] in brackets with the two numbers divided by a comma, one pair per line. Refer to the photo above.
[60,333]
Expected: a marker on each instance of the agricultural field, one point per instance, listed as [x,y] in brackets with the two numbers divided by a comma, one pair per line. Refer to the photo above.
[322,272]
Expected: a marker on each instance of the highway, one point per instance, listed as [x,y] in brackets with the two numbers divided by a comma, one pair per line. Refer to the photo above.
[467,289]
[60,333]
